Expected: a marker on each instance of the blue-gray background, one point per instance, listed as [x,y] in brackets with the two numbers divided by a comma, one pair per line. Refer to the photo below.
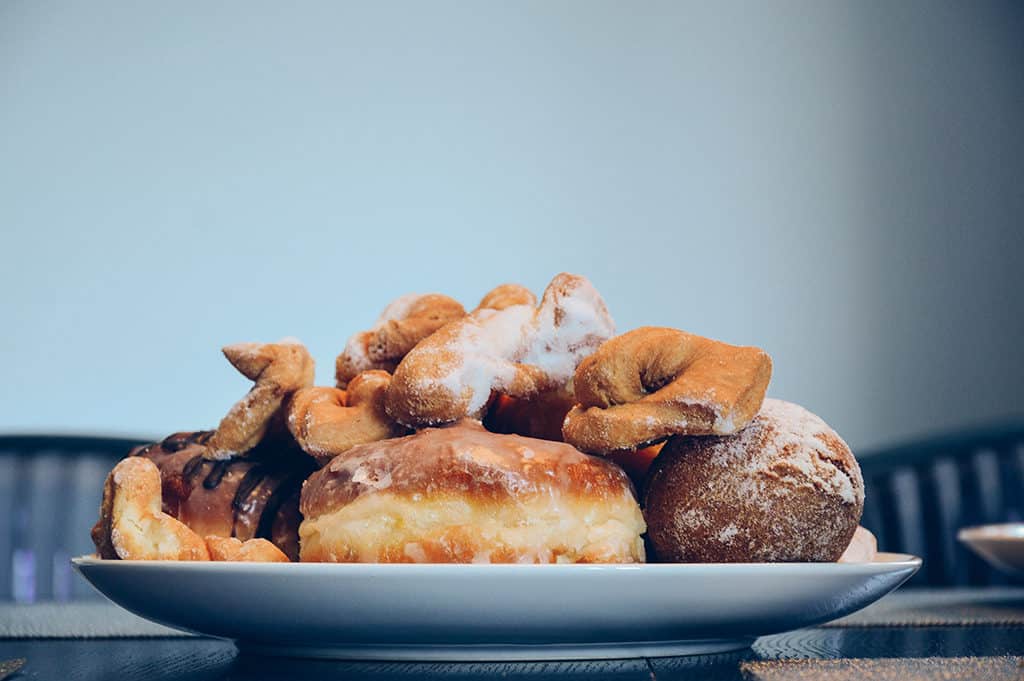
[840,183]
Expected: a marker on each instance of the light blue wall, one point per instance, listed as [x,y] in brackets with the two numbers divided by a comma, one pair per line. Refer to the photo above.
[840,183]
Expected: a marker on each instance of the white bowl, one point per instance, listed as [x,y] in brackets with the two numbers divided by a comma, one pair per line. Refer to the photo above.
[1001,546]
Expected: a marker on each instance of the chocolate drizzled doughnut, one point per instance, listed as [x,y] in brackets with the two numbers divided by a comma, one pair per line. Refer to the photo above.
[257,496]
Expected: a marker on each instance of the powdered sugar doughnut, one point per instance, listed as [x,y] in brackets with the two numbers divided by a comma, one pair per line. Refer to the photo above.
[786,488]
[520,351]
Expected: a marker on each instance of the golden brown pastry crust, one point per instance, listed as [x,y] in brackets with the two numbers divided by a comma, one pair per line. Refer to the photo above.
[519,351]
[786,488]
[254,496]
[462,494]
[328,421]
[402,324]
[249,551]
[407,321]
[132,525]
[507,295]
[651,383]
[279,369]
[540,417]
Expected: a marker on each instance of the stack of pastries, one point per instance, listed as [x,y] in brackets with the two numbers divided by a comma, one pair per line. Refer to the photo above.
[517,432]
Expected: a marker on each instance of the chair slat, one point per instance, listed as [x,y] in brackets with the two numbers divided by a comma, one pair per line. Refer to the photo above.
[8,483]
[50,489]
[969,478]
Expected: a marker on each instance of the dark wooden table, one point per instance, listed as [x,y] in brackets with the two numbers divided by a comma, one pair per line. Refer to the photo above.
[195,659]
[100,641]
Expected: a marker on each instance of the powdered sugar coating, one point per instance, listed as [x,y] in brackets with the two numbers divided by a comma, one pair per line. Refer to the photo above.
[396,309]
[793,443]
[517,351]
[356,351]
[480,344]
[786,488]
[402,324]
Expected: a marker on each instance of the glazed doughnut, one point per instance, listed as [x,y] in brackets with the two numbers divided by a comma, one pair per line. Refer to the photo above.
[250,497]
[402,324]
[132,525]
[461,494]
[279,369]
[328,421]
[249,551]
[651,383]
[520,351]
[784,489]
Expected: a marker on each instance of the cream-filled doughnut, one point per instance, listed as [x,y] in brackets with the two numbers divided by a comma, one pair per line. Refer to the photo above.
[461,494]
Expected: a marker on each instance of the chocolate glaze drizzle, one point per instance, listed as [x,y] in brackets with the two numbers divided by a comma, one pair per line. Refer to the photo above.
[178,441]
[216,474]
[285,490]
[280,473]
[192,468]
[250,481]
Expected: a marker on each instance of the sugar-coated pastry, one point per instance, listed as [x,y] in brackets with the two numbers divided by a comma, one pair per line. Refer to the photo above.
[278,369]
[862,549]
[461,494]
[255,496]
[519,351]
[132,525]
[402,324]
[406,322]
[786,488]
[507,295]
[328,421]
[652,383]
[248,551]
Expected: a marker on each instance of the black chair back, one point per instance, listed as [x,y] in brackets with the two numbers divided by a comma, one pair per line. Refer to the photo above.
[50,490]
[920,494]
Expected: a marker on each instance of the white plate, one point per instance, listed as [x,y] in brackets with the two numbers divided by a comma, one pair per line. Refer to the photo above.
[493,612]
[1001,546]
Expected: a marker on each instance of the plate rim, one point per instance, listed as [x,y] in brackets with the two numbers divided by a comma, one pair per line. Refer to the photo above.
[888,572]
[884,561]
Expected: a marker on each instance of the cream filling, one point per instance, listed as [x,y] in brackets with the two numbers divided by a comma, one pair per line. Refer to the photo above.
[540,529]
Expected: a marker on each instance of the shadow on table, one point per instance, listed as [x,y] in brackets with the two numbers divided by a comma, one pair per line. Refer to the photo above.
[190,659]
[247,666]
[710,667]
